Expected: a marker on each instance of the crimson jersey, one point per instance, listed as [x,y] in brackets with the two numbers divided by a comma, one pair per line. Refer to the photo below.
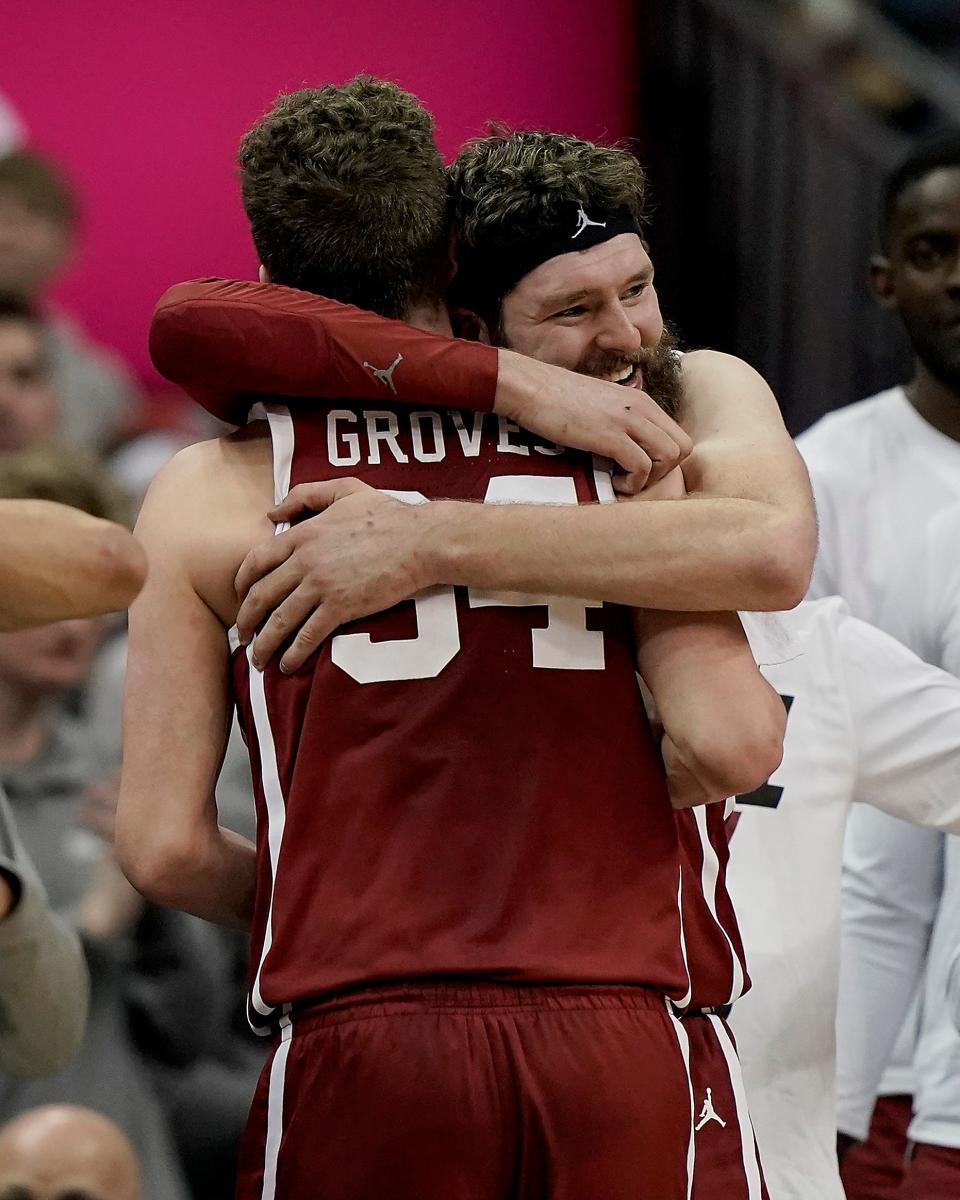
[466,785]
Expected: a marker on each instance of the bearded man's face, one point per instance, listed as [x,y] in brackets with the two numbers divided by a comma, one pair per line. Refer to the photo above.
[596,312]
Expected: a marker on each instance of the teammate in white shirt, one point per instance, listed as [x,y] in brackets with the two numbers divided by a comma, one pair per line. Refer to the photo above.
[870,722]
[898,918]
[880,470]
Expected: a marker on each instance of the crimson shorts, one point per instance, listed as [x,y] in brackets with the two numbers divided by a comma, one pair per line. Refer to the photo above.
[933,1173]
[481,1092]
[874,1170]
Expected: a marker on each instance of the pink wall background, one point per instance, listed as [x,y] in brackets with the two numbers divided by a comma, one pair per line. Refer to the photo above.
[144,105]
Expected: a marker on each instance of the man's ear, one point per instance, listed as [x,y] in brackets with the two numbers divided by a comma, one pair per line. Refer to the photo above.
[264,275]
[469,326]
[881,281]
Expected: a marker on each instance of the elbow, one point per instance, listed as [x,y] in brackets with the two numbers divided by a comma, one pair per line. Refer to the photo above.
[122,566]
[158,868]
[736,761]
[782,564]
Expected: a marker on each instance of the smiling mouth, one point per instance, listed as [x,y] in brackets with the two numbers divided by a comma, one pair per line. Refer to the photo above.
[629,375]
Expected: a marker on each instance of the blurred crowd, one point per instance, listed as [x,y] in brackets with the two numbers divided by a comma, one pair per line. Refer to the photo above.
[167,1055]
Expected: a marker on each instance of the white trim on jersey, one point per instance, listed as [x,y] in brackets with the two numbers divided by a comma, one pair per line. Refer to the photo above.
[684,1043]
[278,1077]
[709,877]
[685,999]
[281,433]
[748,1141]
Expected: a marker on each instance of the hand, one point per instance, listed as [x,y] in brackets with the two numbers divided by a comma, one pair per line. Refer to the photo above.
[590,414]
[362,555]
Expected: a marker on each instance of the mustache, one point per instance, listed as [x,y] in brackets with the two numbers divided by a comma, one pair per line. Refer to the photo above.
[658,356]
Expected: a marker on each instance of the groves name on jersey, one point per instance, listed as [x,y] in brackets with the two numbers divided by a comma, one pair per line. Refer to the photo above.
[464,786]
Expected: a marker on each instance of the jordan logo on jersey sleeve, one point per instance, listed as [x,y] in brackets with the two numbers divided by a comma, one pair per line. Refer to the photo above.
[384,375]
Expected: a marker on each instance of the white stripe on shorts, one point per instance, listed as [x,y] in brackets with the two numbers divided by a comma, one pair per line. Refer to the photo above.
[278,1074]
[748,1141]
[685,1052]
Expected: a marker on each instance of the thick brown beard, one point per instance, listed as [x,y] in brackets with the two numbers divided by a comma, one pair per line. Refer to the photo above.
[660,366]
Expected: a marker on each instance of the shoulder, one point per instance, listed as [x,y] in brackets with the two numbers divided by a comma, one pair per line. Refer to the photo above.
[716,364]
[711,372]
[208,467]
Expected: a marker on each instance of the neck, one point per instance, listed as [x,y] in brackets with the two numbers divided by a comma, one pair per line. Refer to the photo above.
[24,721]
[935,401]
[431,317]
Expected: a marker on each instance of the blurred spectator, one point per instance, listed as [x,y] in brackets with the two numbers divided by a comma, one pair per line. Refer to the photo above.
[12,131]
[44,988]
[49,769]
[29,410]
[37,226]
[66,1153]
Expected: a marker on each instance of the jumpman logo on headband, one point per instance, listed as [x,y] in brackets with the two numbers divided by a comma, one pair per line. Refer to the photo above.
[583,221]
[708,1113]
[385,374]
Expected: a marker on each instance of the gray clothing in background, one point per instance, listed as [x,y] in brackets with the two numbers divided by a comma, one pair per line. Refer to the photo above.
[108,1074]
[44,987]
[97,396]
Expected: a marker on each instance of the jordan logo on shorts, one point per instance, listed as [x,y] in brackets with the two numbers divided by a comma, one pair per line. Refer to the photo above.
[385,374]
[583,221]
[708,1113]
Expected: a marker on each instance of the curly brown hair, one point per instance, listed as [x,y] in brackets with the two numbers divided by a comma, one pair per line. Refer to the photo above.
[347,195]
[513,187]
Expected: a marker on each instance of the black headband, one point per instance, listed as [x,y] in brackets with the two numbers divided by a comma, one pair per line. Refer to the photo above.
[485,277]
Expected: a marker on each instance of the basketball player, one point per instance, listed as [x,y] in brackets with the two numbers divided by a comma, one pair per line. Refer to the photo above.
[881,469]
[416,888]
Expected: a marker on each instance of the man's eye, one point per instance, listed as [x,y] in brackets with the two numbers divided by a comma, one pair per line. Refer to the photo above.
[928,254]
[576,311]
[636,290]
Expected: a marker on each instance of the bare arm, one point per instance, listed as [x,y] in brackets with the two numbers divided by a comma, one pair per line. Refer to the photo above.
[168,839]
[723,723]
[222,340]
[57,562]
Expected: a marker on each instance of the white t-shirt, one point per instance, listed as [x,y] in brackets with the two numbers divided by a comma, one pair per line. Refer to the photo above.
[929,614]
[879,473]
[868,721]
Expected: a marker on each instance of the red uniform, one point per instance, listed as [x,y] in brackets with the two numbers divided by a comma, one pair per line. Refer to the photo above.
[470,872]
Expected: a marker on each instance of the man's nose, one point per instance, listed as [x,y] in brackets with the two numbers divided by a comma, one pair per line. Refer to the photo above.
[953,278]
[617,332]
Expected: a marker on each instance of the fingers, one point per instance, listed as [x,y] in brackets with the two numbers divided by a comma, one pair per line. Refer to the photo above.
[313,634]
[287,616]
[635,462]
[314,497]
[264,596]
[650,411]
[261,560]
